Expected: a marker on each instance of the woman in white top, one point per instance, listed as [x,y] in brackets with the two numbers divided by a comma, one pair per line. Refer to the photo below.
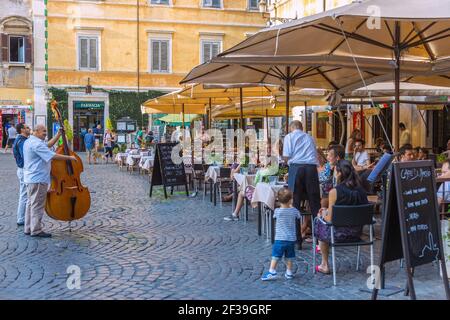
[107,143]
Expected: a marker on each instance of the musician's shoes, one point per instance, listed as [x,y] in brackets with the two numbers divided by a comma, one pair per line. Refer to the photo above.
[42,234]
[27,233]
[20,224]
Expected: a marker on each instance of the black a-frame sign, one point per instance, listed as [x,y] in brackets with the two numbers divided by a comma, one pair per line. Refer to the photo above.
[166,172]
[411,226]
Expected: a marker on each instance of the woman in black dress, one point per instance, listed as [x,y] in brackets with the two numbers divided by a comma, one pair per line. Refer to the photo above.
[348,191]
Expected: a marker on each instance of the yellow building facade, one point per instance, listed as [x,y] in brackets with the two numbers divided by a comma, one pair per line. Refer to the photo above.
[130,45]
[16,66]
[172,37]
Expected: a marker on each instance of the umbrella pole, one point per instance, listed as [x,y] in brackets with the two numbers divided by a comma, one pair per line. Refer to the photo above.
[363,131]
[209,113]
[241,106]
[396,111]
[306,117]
[288,85]
[182,115]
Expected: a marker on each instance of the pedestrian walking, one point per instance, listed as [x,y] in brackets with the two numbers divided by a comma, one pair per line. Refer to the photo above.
[107,143]
[89,142]
[12,133]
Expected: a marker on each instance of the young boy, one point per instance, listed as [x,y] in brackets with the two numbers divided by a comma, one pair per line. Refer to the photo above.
[285,235]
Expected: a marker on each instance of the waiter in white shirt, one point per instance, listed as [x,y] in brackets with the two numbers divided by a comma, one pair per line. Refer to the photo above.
[299,150]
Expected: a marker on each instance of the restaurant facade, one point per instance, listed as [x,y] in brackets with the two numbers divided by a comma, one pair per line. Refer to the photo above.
[16,66]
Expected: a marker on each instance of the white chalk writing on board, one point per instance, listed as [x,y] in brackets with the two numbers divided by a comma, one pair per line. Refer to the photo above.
[415,173]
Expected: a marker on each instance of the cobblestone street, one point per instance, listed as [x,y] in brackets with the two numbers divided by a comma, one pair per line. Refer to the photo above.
[132,247]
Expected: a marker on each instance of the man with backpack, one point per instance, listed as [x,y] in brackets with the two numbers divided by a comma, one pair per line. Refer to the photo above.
[23,132]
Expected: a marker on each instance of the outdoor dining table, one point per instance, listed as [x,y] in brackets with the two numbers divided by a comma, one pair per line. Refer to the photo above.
[211,176]
[241,182]
[264,198]
[121,159]
[146,162]
[133,160]
[212,173]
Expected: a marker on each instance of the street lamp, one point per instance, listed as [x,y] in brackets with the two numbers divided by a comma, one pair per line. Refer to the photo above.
[89,87]
[48,96]
[263,8]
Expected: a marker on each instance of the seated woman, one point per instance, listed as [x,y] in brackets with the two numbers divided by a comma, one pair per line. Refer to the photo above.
[347,192]
[269,169]
[235,168]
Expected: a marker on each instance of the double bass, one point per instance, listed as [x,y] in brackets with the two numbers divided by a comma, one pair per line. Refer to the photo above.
[67,198]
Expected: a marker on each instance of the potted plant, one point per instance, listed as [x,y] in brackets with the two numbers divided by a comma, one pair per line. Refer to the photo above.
[69,134]
[446,243]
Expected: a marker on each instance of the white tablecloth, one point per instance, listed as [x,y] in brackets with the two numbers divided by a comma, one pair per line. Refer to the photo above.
[133,159]
[266,193]
[121,158]
[145,153]
[244,180]
[146,162]
[212,173]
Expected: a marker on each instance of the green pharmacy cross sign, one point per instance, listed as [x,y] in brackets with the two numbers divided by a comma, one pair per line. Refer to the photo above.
[89,105]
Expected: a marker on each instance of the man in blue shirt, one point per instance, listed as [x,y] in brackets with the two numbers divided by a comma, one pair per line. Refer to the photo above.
[299,150]
[37,166]
[89,142]
[23,133]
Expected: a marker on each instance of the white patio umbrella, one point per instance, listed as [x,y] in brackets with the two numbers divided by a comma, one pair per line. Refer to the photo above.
[396,31]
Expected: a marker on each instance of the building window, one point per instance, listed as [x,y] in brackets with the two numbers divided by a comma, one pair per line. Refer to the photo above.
[88,53]
[253,4]
[160,55]
[16,49]
[212,3]
[166,2]
[210,49]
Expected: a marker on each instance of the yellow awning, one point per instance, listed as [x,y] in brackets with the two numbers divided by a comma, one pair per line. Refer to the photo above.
[174,108]
[228,91]
[276,107]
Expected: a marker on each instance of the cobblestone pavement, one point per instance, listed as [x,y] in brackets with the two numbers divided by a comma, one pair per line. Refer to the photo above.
[132,247]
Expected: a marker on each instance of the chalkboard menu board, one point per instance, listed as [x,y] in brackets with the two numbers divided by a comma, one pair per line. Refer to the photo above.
[165,171]
[411,225]
[419,211]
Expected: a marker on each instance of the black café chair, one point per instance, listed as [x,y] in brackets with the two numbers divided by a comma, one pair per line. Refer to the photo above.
[206,181]
[197,176]
[350,216]
[223,181]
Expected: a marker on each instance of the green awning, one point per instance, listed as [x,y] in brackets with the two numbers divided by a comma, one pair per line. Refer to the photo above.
[177,119]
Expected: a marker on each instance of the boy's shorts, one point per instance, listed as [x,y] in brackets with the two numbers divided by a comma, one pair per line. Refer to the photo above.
[283,248]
